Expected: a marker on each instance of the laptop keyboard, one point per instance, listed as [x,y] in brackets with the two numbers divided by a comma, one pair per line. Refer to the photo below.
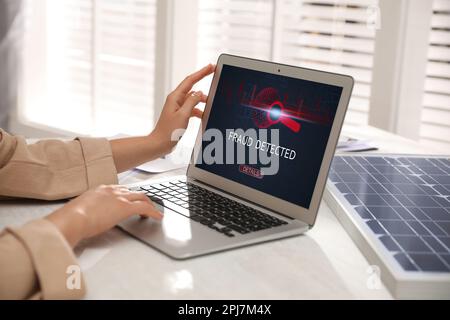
[219,213]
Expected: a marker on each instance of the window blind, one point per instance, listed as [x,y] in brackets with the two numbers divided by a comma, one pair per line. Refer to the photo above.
[435,118]
[240,27]
[331,35]
[125,53]
[66,95]
[99,66]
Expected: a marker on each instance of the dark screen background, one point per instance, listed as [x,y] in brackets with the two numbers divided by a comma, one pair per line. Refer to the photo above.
[242,94]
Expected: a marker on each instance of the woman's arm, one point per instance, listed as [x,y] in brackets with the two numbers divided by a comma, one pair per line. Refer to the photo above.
[36,260]
[179,107]
[133,151]
[55,169]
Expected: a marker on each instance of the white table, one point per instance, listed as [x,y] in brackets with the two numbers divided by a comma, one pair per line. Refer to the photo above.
[322,264]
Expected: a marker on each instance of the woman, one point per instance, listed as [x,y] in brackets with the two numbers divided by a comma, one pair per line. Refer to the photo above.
[34,258]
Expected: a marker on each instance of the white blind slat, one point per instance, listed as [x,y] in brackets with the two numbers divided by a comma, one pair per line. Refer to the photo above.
[125,64]
[441,5]
[436,100]
[100,63]
[435,117]
[333,36]
[330,35]
[332,42]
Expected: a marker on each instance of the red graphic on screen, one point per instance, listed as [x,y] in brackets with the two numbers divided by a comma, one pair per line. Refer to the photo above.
[269,108]
[251,171]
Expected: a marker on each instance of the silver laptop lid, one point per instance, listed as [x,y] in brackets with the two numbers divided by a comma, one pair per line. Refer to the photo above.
[269,133]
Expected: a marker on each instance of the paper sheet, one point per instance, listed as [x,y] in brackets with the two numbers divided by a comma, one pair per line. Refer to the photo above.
[161,165]
[354,145]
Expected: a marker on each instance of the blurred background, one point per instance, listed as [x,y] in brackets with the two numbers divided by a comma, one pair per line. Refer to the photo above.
[104,67]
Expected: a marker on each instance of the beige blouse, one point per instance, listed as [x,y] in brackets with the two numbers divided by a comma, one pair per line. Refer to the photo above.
[34,258]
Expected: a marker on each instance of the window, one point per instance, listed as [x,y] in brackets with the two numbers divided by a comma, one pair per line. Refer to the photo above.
[435,120]
[334,36]
[241,27]
[237,27]
[323,34]
[89,65]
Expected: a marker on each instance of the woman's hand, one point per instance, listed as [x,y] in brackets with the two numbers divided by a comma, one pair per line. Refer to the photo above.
[98,210]
[179,107]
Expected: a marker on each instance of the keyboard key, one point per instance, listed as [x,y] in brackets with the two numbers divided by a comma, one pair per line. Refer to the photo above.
[197,218]
[238,229]
[166,184]
[206,222]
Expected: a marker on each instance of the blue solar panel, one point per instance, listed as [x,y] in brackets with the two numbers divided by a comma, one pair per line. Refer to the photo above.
[405,203]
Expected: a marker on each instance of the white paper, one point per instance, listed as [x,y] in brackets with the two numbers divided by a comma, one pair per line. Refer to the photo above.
[353,145]
[161,165]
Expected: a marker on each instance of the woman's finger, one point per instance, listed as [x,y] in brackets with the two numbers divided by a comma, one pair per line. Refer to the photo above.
[118,187]
[190,103]
[186,85]
[124,191]
[181,101]
[144,208]
[197,113]
[204,98]
[137,196]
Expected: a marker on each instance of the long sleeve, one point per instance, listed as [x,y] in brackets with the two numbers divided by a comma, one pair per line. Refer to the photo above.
[35,260]
[53,169]
[37,263]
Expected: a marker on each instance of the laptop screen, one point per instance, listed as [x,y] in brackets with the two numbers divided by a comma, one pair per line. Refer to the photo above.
[269,132]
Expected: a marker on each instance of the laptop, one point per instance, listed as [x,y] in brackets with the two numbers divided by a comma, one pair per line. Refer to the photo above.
[260,162]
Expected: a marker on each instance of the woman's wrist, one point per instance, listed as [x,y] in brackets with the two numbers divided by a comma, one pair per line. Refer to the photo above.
[70,224]
[160,144]
[134,151]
